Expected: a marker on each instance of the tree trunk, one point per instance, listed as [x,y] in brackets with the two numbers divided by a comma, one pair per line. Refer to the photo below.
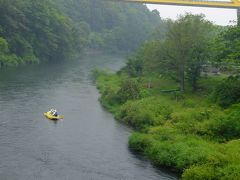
[195,77]
[194,84]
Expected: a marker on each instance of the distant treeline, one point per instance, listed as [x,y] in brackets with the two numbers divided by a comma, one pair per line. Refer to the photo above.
[50,30]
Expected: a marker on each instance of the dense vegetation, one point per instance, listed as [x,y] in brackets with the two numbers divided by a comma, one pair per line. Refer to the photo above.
[114,26]
[185,119]
[31,31]
[53,30]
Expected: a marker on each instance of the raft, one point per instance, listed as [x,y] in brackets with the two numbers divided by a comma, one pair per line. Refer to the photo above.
[51,117]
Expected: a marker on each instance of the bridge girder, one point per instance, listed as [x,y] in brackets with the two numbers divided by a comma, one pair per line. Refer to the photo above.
[233,4]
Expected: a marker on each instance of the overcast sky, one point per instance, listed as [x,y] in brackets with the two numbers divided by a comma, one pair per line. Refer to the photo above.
[217,15]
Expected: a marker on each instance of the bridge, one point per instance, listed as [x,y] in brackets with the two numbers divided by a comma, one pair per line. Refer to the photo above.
[231,4]
[234,4]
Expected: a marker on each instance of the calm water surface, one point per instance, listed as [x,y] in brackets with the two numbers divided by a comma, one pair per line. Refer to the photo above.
[88,144]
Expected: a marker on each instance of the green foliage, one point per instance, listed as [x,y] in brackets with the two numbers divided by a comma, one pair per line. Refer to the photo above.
[37,31]
[195,157]
[228,125]
[129,90]
[200,172]
[180,55]
[96,41]
[146,112]
[172,149]
[7,59]
[114,26]
[185,131]
[134,67]
[108,85]
[191,135]
[146,60]
[139,142]
[229,169]
[228,92]
[228,45]
[54,30]
[3,46]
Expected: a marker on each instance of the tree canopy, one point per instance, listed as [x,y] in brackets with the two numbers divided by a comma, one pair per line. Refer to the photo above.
[115,26]
[53,30]
[181,52]
[37,30]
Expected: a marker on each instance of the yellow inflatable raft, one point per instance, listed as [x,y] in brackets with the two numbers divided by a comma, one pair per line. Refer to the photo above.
[50,116]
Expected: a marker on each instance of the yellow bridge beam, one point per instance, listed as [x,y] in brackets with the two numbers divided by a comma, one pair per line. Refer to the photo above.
[234,4]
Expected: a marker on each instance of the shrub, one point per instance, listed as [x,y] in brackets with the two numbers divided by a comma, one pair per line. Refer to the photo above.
[139,142]
[109,99]
[231,171]
[165,133]
[200,172]
[228,92]
[134,116]
[211,172]
[191,120]
[228,126]
[183,152]
[96,73]
[145,112]
[134,66]
[169,148]
[129,90]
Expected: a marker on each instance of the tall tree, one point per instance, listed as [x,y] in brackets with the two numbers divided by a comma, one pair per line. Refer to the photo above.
[180,53]
[187,47]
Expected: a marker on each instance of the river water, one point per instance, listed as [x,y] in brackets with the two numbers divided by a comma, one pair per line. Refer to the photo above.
[87,145]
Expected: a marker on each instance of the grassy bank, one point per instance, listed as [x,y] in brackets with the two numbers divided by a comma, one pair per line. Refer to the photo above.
[188,133]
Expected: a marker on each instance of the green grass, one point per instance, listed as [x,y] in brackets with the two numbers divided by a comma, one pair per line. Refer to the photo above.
[184,131]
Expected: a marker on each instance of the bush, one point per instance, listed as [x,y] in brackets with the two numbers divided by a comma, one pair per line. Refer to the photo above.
[134,66]
[231,171]
[191,119]
[129,90]
[139,142]
[210,172]
[96,73]
[134,116]
[200,172]
[109,99]
[228,126]
[108,85]
[169,148]
[228,92]
[145,112]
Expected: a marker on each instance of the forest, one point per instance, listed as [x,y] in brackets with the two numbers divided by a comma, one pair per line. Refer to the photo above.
[54,30]
[180,93]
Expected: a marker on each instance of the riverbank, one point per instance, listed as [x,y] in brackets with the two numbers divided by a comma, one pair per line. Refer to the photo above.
[186,132]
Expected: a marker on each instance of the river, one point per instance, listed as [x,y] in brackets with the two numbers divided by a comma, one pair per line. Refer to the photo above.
[87,145]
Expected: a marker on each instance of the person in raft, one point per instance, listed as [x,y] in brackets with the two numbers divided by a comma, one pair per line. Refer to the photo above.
[54,112]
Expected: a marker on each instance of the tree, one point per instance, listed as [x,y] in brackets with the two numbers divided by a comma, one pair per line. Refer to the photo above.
[228,46]
[187,47]
[7,59]
[3,46]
